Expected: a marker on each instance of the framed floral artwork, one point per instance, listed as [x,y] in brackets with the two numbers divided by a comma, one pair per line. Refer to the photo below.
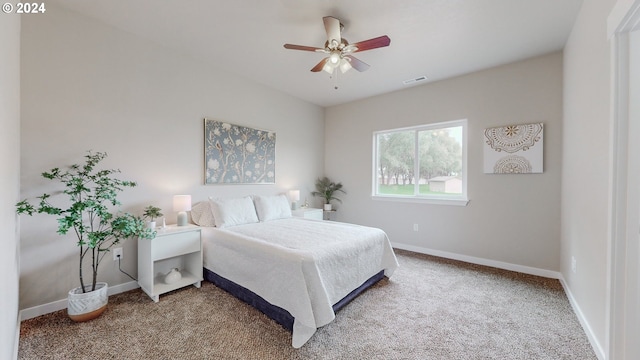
[235,154]
[514,149]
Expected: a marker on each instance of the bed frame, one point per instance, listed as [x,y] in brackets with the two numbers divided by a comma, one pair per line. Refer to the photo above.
[276,313]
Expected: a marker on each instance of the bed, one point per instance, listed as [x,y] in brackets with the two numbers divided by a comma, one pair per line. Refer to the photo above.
[297,271]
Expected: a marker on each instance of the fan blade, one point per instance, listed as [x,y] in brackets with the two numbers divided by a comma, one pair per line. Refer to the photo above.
[320,65]
[302,47]
[332,27]
[380,41]
[357,64]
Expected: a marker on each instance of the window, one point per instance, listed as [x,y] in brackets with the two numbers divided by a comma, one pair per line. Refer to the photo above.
[424,163]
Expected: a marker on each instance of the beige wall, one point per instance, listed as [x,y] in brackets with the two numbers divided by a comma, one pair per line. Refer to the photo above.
[586,163]
[89,86]
[511,219]
[9,162]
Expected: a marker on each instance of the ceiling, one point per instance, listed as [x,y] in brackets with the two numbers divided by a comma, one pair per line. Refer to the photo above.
[438,39]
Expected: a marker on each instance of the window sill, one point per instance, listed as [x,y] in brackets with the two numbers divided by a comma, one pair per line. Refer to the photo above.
[422,200]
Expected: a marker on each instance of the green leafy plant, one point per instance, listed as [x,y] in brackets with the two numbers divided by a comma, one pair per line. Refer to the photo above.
[327,189]
[151,212]
[92,193]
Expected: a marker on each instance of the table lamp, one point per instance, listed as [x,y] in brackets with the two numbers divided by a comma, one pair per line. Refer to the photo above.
[182,204]
[294,195]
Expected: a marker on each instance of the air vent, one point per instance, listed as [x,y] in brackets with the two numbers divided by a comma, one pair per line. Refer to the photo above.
[413,81]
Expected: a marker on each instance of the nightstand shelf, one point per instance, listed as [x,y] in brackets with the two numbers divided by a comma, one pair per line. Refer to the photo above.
[174,247]
[187,279]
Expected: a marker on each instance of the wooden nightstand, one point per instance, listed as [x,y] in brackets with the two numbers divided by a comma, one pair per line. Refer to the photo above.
[309,213]
[174,247]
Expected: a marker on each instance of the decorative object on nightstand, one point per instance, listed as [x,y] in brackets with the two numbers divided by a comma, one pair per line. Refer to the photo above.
[326,189]
[294,195]
[151,212]
[182,204]
[97,228]
[173,276]
[176,247]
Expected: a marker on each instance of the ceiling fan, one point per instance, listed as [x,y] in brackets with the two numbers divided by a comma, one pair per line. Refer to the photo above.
[340,50]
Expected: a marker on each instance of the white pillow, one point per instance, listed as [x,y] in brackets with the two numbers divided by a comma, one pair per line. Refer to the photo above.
[272,207]
[235,211]
[201,214]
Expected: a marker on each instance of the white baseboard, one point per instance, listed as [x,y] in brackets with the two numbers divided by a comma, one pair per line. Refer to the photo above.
[481,261]
[595,345]
[62,304]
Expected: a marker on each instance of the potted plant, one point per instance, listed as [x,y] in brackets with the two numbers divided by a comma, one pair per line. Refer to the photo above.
[92,194]
[151,212]
[326,189]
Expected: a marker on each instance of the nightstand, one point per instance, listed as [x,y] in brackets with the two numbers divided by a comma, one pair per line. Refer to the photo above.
[309,213]
[173,247]
[329,215]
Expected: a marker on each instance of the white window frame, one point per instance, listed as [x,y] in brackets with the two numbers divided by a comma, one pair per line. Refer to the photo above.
[459,200]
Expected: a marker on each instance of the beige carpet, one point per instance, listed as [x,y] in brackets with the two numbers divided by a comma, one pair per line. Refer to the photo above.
[431,308]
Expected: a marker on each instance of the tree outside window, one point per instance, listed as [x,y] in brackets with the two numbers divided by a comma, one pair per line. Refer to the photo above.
[423,162]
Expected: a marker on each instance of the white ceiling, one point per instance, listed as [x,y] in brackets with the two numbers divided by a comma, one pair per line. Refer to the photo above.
[435,38]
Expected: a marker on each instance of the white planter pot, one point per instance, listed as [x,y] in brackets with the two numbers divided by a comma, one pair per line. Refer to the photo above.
[327,207]
[151,225]
[89,305]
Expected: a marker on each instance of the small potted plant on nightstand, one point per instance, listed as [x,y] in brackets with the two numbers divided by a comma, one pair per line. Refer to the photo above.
[327,189]
[152,213]
[90,215]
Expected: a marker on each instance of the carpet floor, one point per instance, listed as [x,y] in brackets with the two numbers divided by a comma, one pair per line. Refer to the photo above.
[431,308]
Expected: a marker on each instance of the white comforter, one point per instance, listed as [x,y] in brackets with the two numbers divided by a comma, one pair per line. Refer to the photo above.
[301,265]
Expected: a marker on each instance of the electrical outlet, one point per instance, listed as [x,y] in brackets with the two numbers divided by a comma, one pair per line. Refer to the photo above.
[415,227]
[573,264]
[117,254]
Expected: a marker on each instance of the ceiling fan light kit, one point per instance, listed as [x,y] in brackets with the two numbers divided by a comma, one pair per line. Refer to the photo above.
[340,50]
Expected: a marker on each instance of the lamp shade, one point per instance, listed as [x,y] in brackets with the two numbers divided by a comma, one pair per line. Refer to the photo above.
[182,203]
[345,66]
[294,195]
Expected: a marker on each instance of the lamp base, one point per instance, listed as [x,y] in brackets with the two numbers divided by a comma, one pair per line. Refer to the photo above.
[294,205]
[182,218]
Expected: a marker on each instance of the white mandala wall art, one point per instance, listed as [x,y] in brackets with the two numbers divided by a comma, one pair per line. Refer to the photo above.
[514,149]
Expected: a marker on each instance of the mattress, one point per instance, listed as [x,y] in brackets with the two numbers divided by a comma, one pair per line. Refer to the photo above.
[300,265]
